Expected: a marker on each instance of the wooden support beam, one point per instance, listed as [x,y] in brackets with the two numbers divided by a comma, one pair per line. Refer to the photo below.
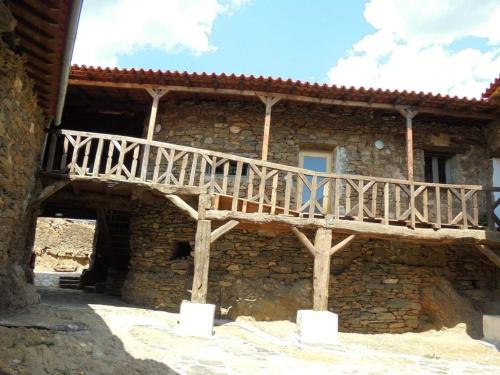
[182,205]
[409,114]
[47,192]
[304,240]
[201,261]
[490,254]
[346,241]
[269,101]
[299,98]
[223,229]
[157,95]
[322,245]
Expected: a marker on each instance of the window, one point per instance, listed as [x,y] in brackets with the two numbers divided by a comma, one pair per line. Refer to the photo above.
[319,161]
[438,167]
[182,250]
[232,169]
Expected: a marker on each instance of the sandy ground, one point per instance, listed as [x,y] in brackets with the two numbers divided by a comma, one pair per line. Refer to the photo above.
[83,333]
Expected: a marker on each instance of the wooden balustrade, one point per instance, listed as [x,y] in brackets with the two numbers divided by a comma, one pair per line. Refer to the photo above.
[248,185]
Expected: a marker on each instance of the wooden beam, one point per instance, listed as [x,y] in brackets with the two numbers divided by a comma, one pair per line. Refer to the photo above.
[365,229]
[304,240]
[299,98]
[490,254]
[201,261]
[409,114]
[182,205]
[322,245]
[223,229]
[342,244]
[47,192]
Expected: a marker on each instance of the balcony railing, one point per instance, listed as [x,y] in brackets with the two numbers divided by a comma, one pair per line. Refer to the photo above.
[247,185]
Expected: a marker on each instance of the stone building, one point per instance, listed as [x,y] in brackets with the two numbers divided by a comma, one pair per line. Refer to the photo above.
[34,39]
[211,188]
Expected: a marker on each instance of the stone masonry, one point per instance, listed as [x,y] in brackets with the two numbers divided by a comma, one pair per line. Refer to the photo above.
[63,244]
[375,285]
[21,136]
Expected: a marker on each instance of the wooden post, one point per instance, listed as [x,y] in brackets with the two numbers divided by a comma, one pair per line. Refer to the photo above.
[157,95]
[322,245]
[201,261]
[322,250]
[269,101]
[409,114]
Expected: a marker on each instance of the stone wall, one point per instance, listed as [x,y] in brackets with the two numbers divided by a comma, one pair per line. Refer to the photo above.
[375,285]
[350,134]
[63,244]
[21,136]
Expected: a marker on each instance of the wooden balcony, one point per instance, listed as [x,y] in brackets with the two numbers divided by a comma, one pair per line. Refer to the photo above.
[262,192]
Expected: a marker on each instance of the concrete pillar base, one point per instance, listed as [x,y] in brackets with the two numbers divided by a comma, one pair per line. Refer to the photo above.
[491,328]
[196,319]
[317,327]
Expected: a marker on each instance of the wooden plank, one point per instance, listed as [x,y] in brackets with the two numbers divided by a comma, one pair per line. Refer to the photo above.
[201,261]
[47,192]
[304,240]
[192,173]
[374,200]
[182,173]
[170,166]
[225,177]
[464,208]
[412,206]
[223,229]
[288,192]
[397,193]
[274,194]
[449,202]
[267,125]
[236,187]
[386,203]
[489,209]
[438,207]
[157,95]
[475,209]
[109,159]
[336,207]
[64,156]
[425,202]
[361,201]
[74,157]
[97,160]
[312,198]
[156,170]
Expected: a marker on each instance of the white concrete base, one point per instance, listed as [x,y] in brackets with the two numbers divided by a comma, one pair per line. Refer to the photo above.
[317,327]
[196,319]
[491,328]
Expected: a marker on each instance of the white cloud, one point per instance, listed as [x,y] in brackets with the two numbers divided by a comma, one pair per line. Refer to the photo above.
[110,28]
[410,50]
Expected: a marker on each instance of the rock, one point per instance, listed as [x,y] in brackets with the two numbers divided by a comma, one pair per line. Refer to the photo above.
[235,129]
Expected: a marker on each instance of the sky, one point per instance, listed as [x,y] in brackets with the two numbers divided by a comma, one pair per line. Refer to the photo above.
[440,46]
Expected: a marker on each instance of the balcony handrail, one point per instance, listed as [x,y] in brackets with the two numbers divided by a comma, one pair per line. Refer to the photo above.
[269,164]
[269,187]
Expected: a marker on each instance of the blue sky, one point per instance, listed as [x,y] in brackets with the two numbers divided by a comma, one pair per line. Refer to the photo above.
[281,40]
[440,46]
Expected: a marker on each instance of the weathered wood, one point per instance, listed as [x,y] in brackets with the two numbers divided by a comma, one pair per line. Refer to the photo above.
[409,114]
[182,205]
[490,254]
[364,229]
[201,261]
[157,95]
[304,240]
[48,191]
[322,245]
[223,229]
[342,244]
[293,97]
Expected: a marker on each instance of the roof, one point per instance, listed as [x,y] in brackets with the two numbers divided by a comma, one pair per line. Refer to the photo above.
[41,33]
[493,89]
[320,93]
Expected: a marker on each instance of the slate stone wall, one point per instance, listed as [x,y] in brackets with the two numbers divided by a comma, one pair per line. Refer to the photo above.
[21,136]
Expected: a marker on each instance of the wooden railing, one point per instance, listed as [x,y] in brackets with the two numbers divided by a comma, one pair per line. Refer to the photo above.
[248,185]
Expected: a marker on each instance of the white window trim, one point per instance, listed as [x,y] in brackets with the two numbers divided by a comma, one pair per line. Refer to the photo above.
[328,155]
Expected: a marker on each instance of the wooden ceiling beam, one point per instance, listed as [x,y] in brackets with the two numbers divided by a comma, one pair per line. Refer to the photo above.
[299,98]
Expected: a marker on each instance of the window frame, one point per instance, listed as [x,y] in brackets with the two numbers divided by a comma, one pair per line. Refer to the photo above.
[328,155]
[435,156]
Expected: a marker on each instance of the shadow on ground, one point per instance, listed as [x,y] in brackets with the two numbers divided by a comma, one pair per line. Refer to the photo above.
[65,342]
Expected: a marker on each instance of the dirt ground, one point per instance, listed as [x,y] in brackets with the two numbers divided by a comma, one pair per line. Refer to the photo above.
[73,332]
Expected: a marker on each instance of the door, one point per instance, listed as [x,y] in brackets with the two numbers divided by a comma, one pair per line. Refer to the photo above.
[318,161]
